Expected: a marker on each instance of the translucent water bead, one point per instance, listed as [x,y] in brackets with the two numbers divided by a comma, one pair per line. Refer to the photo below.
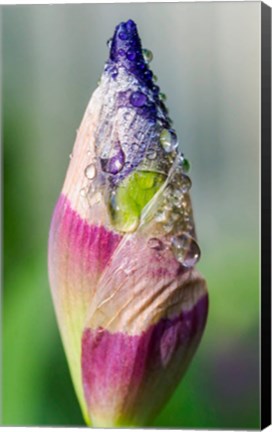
[90,171]
[138,99]
[185,249]
[147,55]
[168,140]
[183,163]
[114,164]
[186,165]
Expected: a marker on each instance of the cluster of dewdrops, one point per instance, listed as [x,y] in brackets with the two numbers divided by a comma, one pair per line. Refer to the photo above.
[174,211]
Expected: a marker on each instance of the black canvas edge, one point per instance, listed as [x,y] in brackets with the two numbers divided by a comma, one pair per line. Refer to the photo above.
[265,216]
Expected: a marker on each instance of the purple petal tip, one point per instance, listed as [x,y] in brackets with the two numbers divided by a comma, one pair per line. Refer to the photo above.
[126,44]
[126,51]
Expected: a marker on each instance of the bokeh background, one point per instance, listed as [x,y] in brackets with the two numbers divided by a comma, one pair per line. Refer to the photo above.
[207,59]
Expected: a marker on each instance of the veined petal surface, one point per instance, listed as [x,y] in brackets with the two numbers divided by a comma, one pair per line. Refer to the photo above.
[130,305]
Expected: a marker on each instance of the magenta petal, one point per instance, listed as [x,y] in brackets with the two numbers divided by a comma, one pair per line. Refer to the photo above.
[78,254]
[128,378]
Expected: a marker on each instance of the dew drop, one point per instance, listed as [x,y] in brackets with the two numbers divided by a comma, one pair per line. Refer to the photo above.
[168,191]
[178,203]
[127,115]
[156,89]
[168,140]
[141,65]
[161,216]
[180,159]
[148,74]
[83,192]
[90,171]
[147,55]
[131,55]
[122,221]
[175,216]
[109,42]
[162,96]
[185,165]
[138,99]
[114,164]
[185,249]
[151,155]
[168,227]
[114,72]
[155,243]
[121,52]
[186,184]
[71,156]
[139,135]
[132,224]
[123,35]
[130,25]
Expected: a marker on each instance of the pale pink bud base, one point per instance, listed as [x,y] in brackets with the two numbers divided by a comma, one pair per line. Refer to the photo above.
[128,378]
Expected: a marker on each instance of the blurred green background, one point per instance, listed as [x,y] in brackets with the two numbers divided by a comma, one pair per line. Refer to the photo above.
[207,58]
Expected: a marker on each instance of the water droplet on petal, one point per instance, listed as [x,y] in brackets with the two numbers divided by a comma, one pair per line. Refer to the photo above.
[71,156]
[168,227]
[123,35]
[90,171]
[185,249]
[131,55]
[122,220]
[139,135]
[162,96]
[185,165]
[114,164]
[138,99]
[151,155]
[180,159]
[121,52]
[130,25]
[83,192]
[109,42]
[155,243]
[168,140]
[186,184]
[148,74]
[127,115]
[178,203]
[175,216]
[132,224]
[147,55]
[161,216]
[156,89]
[114,72]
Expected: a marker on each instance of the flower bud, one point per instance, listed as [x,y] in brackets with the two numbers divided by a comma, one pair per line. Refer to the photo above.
[130,305]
